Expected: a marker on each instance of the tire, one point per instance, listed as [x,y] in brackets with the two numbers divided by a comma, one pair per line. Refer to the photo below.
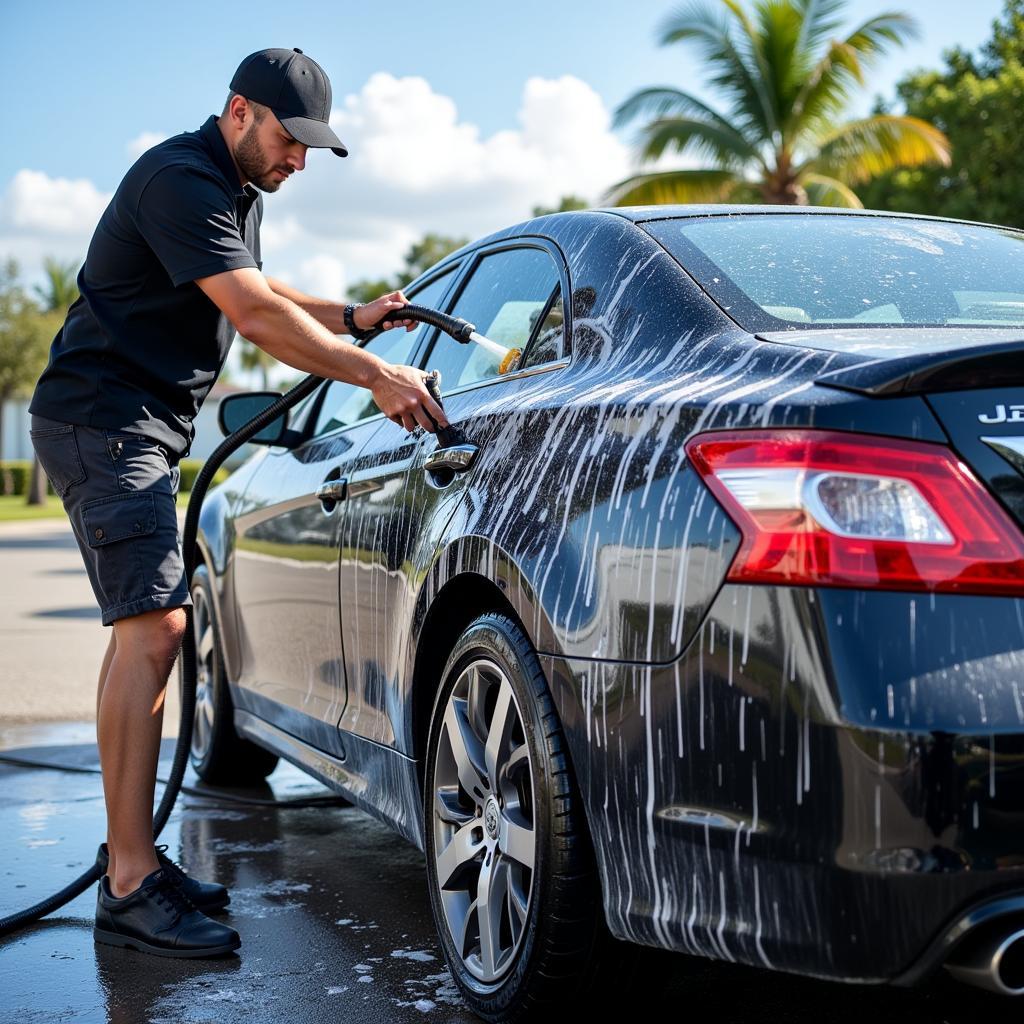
[218,755]
[486,821]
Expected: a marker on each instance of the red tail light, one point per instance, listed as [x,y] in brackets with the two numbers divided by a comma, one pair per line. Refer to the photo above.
[853,510]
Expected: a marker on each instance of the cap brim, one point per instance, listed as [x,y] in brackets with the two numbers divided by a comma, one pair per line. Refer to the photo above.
[313,133]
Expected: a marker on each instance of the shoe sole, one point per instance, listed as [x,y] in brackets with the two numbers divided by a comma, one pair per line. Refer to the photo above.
[130,942]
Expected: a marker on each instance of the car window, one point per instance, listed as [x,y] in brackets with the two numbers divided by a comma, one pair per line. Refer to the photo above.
[344,403]
[548,341]
[505,298]
[791,272]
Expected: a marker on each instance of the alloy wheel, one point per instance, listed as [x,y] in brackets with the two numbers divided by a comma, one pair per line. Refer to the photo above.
[484,832]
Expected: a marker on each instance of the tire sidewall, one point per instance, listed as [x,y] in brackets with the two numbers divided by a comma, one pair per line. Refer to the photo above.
[493,636]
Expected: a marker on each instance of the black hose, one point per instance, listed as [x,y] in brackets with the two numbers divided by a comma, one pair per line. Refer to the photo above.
[458,329]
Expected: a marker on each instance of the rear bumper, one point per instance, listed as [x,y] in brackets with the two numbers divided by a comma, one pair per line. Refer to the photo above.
[825,781]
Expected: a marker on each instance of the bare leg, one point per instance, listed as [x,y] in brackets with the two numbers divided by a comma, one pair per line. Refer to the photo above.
[129,719]
[104,668]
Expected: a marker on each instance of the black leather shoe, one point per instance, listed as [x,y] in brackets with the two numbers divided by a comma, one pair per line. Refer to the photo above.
[159,918]
[208,897]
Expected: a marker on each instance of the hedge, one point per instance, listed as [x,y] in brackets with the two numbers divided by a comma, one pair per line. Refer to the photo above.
[16,473]
[190,470]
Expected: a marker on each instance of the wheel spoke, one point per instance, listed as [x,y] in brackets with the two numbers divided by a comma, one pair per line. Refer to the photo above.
[476,701]
[460,851]
[490,900]
[458,908]
[516,761]
[205,646]
[447,808]
[200,728]
[497,736]
[517,904]
[516,841]
[466,748]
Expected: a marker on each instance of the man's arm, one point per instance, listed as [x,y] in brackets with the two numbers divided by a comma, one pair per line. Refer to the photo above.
[279,325]
[330,314]
[326,312]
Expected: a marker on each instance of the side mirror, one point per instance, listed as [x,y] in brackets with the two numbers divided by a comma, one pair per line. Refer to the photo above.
[236,410]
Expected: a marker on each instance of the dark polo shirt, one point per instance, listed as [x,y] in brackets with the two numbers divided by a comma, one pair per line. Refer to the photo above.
[143,345]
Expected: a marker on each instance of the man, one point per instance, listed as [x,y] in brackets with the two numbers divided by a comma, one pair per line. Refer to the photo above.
[172,271]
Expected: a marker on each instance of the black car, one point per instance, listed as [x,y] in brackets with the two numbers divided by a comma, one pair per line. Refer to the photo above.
[712,636]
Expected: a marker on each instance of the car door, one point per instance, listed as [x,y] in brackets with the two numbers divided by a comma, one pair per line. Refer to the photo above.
[286,563]
[394,524]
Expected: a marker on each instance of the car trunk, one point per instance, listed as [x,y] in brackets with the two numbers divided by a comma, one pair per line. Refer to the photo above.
[973,380]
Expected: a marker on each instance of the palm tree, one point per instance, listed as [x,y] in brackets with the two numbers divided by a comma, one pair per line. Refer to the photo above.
[252,357]
[61,288]
[785,78]
[56,297]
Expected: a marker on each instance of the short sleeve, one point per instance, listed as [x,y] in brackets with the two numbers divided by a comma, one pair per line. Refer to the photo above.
[187,217]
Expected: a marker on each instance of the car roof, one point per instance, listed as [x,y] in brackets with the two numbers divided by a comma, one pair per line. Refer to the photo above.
[552,225]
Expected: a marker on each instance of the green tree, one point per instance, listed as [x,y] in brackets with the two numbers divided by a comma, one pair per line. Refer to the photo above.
[61,288]
[57,296]
[976,100]
[25,335]
[566,203]
[252,357]
[785,79]
[420,256]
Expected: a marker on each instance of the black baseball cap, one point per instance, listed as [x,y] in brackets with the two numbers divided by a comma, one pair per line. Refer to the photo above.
[296,89]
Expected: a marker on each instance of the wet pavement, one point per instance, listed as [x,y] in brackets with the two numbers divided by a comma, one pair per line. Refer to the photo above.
[330,904]
[334,917]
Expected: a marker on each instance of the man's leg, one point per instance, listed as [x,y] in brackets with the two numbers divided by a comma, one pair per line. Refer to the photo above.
[104,668]
[128,725]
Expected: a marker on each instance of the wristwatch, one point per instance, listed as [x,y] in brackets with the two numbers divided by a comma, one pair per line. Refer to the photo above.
[350,322]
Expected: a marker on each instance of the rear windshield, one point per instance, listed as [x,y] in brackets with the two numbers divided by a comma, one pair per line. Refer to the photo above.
[776,272]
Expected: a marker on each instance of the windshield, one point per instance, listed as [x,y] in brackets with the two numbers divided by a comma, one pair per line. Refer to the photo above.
[775,272]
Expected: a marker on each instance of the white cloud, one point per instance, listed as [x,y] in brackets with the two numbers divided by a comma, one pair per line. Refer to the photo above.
[322,275]
[414,167]
[35,202]
[142,142]
[42,216]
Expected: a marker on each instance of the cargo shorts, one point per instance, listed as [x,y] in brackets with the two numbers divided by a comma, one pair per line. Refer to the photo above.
[119,492]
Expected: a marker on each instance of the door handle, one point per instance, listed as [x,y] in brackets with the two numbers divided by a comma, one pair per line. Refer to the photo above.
[332,490]
[456,458]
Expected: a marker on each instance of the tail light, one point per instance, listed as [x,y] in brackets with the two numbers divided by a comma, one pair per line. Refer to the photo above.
[852,510]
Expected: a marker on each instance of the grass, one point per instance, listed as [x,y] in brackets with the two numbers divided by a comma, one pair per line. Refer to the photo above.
[14,507]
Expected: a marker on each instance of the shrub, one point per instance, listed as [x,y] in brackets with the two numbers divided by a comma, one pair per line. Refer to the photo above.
[190,470]
[15,475]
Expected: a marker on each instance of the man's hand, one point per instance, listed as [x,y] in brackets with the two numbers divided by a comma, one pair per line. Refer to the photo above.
[403,397]
[369,314]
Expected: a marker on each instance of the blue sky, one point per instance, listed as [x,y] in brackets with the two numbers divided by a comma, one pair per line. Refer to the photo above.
[460,116]
[90,76]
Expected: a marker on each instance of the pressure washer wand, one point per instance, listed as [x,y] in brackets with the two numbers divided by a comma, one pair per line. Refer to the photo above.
[461,330]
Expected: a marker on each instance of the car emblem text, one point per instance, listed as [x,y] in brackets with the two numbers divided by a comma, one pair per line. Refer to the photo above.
[1004,414]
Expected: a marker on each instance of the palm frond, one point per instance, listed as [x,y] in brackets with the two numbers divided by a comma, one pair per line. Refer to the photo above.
[662,100]
[827,87]
[706,185]
[821,19]
[724,145]
[825,191]
[730,70]
[784,64]
[859,150]
[877,34]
